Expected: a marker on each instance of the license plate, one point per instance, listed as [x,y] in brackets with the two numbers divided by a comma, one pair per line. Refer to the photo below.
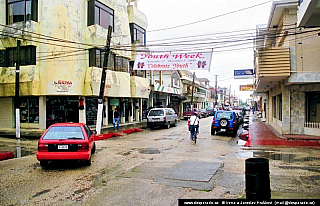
[223,130]
[62,146]
[156,120]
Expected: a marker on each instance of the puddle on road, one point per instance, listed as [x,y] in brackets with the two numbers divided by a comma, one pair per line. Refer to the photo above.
[19,147]
[149,151]
[286,157]
[276,155]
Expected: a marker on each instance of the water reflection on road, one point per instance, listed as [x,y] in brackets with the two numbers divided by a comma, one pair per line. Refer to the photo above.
[20,147]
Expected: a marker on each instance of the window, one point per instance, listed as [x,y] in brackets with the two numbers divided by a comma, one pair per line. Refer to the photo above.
[29,110]
[8,57]
[100,14]
[22,10]
[274,103]
[122,64]
[96,59]
[280,107]
[138,34]
[313,107]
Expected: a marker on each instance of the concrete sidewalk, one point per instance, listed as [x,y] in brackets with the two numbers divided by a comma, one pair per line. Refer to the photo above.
[36,133]
[262,133]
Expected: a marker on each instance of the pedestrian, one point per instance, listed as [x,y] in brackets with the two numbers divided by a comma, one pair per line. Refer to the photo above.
[116,118]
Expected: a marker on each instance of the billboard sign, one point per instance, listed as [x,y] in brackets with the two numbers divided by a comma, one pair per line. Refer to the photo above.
[248,87]
[243,74]
[200,61]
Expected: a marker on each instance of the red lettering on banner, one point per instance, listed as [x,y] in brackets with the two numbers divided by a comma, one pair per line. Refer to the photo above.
[150,56]
[187,56]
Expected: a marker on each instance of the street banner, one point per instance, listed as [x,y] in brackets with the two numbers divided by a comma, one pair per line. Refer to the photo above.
[243,74]
[200,61]
[248,87]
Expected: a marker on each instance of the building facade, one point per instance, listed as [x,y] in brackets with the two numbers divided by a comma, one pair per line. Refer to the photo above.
[287,70]
[62,54]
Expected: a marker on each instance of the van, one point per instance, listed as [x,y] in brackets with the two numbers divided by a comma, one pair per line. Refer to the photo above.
[162,117]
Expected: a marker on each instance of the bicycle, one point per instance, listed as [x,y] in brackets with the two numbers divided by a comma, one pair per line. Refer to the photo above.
[195,136]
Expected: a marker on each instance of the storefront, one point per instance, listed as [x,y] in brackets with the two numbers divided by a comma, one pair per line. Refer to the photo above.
[62,109]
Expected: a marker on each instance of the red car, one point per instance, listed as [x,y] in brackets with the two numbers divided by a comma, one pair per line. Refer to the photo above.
[66,141]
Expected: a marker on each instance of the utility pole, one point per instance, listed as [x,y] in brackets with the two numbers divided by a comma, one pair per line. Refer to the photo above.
[216,96]
[192,90]
[103,81]
[16,99]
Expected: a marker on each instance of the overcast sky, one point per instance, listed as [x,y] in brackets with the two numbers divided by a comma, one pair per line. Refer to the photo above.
[224,17]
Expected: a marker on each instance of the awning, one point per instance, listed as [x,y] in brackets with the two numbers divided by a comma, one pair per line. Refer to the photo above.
[170,90]
[139,87]
[117,84]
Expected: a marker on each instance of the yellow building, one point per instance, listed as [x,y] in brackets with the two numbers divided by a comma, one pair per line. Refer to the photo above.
[287,67]
[61,59]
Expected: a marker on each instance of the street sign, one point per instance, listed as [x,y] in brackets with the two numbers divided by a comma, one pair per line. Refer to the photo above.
[243,74]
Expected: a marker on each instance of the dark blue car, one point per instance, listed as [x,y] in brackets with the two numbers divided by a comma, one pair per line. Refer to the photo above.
[224,121]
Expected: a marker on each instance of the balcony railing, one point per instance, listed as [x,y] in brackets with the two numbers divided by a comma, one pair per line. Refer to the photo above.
[312,125]
[274,62]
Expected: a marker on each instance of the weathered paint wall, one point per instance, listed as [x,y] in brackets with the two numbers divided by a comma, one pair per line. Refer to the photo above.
[62,64]
[6,117]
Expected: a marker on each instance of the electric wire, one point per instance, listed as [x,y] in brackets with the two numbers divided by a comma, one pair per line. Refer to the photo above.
[214,17]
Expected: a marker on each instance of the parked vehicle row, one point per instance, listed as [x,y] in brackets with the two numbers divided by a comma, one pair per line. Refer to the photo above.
[227,121]
[162,117]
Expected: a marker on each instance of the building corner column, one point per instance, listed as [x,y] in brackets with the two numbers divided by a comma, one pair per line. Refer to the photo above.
[82,111]
[42,112]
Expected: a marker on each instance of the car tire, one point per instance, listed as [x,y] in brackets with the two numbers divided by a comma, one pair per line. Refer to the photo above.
[223,122]
[213,132]
[93,148]
[234,134]
[87,162]
[168,125]
[175,123]
[151,127]
[44,163]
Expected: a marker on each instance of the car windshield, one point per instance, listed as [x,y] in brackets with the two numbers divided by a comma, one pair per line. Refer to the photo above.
[227,115]
[64,132]
[156,113]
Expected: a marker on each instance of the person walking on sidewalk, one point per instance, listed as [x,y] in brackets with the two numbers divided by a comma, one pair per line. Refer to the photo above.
[116,118]
[193,124]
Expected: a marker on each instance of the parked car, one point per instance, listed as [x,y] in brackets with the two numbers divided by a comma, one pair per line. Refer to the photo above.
[224,121]
[210,111]
[162,117]
[239,116]
[187,114]
[66,141]
[203,113]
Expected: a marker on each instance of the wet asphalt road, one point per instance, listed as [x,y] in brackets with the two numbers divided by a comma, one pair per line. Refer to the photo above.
[156,167]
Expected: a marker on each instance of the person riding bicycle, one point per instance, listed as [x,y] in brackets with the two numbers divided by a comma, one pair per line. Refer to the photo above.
[194,124]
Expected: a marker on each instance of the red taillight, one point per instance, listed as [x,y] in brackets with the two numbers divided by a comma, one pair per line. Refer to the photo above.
[42,147]
[83,146]
[213,120]
[147,119]
[164,119]
[234,122]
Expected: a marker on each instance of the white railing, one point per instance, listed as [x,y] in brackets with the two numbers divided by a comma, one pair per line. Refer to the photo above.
[312,125]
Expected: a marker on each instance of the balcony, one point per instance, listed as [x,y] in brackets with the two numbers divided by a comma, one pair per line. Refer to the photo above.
[272,65]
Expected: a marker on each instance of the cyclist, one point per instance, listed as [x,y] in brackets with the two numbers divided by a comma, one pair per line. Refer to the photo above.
[194,124]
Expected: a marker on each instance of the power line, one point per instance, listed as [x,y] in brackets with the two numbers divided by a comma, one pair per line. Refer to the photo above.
[214,17]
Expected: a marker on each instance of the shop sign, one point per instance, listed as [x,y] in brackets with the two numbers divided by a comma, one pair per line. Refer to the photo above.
[243,74]
[200,61]
[62,85]
[114,102]
[248,87]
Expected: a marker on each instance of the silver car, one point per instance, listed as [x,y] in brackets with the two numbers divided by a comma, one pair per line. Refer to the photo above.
[162,117]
